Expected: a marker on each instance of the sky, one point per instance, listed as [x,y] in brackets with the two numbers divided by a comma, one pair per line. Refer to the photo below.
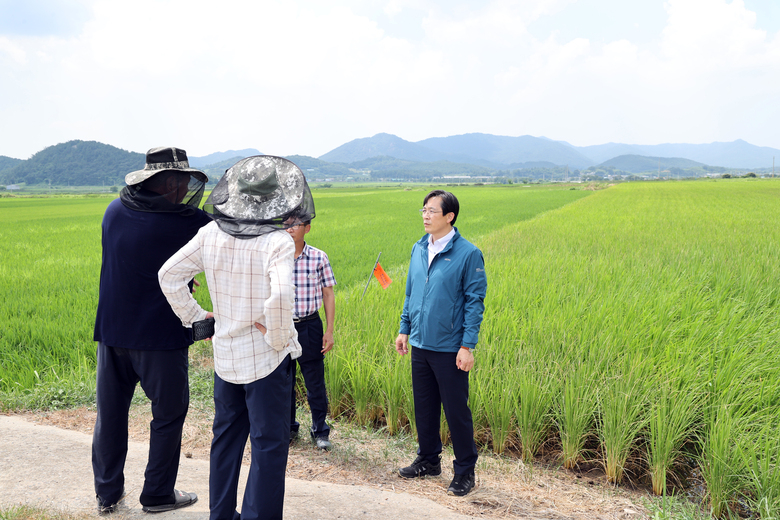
[305,76]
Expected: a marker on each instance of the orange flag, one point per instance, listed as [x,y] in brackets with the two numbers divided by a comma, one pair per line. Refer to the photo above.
[381,276]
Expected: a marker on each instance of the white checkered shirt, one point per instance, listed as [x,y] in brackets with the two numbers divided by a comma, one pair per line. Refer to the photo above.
[249,281]
[312,273]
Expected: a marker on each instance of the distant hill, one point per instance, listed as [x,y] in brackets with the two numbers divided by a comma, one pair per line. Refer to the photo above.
[386,156]
[604,152]
[390,167]
[381,145]
[75,163]
[312,168]
[504,151]
[484,150]
[216,170]
[736,154]
[531,164]
[8,162]
[317,168]
[219,157]
[640,163]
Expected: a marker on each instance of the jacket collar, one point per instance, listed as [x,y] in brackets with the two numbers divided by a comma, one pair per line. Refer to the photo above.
[424,241]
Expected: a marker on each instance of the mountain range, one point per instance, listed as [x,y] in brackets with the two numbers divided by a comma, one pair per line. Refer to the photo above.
[502,152]
[389,156]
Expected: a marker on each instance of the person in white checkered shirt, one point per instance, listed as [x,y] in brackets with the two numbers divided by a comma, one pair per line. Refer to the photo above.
[314,283]
[248,261]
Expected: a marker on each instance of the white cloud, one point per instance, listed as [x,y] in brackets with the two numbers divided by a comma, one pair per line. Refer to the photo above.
[707,35]
[12,51]
[298,76]
[694,85]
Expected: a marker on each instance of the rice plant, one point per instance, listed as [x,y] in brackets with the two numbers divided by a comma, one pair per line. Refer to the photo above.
[720,465]
[761,457]
[336,382]
[494,396]
[537,391]
[675,408]
[392,390]
[360,383]
[622,416]
[574,414]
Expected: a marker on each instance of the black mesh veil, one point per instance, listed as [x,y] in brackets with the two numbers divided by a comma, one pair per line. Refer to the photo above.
[179,200]
[258,195]
[195,190]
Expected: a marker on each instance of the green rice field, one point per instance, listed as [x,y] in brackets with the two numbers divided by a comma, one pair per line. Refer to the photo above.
[634,327]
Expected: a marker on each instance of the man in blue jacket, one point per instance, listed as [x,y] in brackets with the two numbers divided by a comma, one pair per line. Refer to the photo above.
[442,314]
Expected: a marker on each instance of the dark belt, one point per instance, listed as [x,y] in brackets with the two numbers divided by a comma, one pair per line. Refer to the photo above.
[312,316]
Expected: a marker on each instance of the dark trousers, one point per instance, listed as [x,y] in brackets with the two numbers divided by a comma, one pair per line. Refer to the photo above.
[312,363]
[259,410]
[437,382]
[163,377]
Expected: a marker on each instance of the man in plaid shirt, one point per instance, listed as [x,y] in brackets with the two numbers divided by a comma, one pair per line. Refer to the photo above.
[314,281]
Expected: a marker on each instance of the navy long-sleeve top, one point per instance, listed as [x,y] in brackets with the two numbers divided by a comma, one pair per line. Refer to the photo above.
[132,311]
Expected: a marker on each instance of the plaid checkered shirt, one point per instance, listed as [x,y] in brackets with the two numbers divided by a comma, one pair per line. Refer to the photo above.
[249,281]
[312,273]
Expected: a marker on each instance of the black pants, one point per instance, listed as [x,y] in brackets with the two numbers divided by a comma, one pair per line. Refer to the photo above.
[163,377]
[312,363]
[437,382]
[258,410]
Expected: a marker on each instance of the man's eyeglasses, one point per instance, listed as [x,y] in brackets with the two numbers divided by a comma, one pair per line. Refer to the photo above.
[429,211]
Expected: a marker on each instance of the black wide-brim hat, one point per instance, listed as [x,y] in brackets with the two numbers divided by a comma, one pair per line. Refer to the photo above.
[162,159]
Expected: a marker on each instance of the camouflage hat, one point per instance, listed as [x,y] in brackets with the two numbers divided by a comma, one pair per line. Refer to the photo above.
[260,188]
[162,159]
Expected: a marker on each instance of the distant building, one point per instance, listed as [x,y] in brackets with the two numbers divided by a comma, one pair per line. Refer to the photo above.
[464,177]
[13,187]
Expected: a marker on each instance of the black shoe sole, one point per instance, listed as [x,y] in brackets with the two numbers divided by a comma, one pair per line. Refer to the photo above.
[420,475]
[459,493]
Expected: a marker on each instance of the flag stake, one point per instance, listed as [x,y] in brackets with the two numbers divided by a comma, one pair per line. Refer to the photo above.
[370,275]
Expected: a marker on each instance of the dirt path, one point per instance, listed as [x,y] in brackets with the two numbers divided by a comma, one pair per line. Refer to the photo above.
[50,467]
[45,460]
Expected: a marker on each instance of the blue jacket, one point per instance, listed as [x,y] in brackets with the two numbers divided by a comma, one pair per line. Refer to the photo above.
[444,303]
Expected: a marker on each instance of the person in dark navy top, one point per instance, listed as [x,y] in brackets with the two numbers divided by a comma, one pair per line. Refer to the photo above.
[139,338]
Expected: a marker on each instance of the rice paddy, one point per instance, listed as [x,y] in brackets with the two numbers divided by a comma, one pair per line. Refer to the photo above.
[633,327]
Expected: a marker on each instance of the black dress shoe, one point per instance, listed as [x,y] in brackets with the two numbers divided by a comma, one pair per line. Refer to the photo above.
[461,485]
[420,468]
[181,499]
